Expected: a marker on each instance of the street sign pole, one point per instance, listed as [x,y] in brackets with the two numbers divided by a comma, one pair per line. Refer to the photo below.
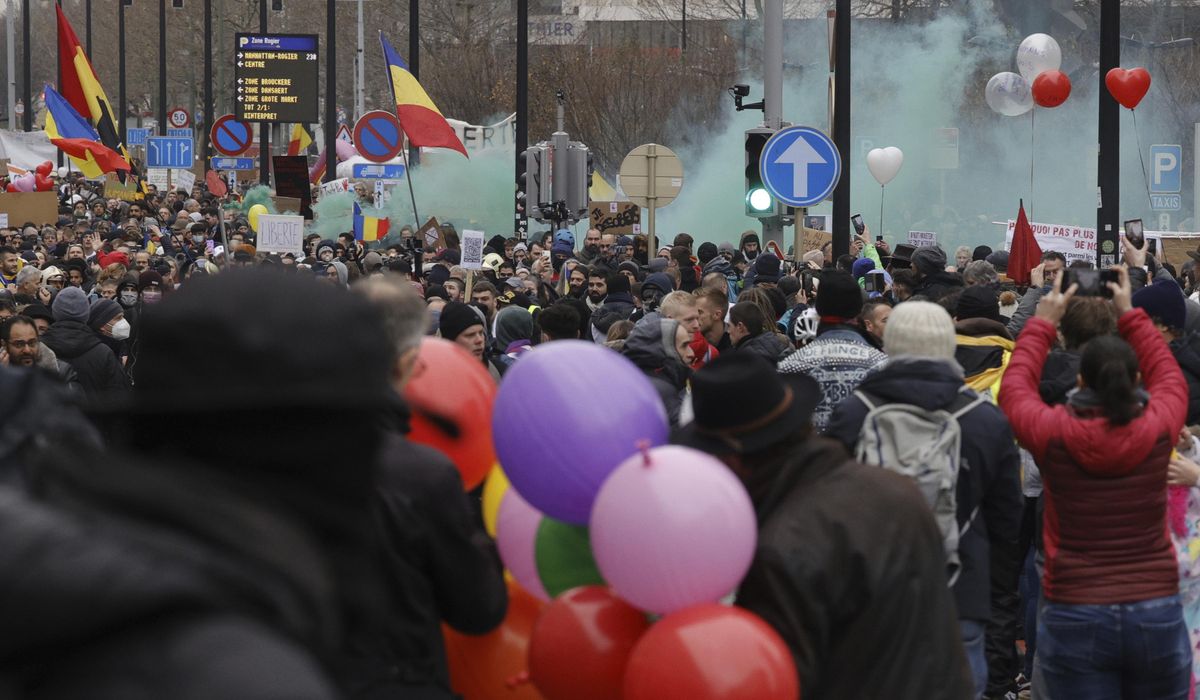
[651,200]
[652,176]
[772,227]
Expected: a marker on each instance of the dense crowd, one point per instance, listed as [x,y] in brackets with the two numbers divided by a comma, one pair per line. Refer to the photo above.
[964,487]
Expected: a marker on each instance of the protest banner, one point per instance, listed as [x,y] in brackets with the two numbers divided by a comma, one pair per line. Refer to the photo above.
[128,192]
[281,233]
[1074,242]
[184,180]
[30,207]
[618,218]
[336,186]
[812,239]
[918,239]
[472,249]
[159,177]
[431,234]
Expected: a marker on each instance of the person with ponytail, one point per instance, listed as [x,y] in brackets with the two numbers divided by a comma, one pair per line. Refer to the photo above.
[1112,625]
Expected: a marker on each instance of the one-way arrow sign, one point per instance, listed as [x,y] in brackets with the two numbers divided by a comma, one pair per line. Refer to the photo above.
[800,166]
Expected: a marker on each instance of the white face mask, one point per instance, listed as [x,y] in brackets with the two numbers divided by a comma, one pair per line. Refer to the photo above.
[120,330]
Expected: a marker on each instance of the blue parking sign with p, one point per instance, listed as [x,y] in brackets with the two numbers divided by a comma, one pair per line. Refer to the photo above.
[1166,167]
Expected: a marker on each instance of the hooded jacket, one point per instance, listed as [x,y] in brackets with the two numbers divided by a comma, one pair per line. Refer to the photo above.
[99,371]
[983,349]
[937,285]
[862,603]
[512,329]
[1105,506]
[733,281]
[651,346]
[769,345]
[988,491]
[839,359]
[49,362]
[618,306]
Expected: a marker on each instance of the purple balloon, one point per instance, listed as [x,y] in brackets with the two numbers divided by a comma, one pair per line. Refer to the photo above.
[344,149]
[516,533]
[673,528]
[565,416]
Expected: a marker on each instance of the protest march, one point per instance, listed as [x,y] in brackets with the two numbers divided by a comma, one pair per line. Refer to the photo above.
[320,431]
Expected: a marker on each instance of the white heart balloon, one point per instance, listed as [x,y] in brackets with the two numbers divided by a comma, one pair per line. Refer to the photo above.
[1036,54]
[884,163]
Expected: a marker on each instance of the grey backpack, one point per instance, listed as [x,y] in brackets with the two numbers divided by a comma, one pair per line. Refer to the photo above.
[925,446]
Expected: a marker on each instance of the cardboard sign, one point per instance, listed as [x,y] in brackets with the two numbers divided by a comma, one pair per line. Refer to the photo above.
[472,249]
[39,208]
[813,239]
[918,239]
[159,177]
[291,180]
[128,192]
[184,180]
[431,235]
[287,204]
[281,233]
[618,218]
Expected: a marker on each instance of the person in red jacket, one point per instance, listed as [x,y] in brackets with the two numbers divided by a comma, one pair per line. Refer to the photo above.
[1112,626]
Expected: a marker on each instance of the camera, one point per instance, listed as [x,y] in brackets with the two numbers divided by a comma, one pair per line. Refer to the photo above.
[740,90]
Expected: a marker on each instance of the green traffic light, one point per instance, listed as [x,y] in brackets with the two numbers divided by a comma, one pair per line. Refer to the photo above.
[759,199]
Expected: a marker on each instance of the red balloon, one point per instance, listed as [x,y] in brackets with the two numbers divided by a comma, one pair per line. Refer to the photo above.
[41,183]
[44,168]
[1051,88]
[492,665]
[451,396]
[11,187]
[581,644]
[711,652]
[1128,86]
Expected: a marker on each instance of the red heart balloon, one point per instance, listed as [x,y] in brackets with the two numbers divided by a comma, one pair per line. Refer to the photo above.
[44,168]
[1128,86]
[1051,88]
[41,183]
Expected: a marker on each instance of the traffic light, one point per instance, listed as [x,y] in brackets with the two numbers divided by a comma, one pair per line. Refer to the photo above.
[759,202]
[579,177]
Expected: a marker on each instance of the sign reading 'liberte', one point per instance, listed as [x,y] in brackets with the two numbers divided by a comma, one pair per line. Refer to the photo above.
[276,77]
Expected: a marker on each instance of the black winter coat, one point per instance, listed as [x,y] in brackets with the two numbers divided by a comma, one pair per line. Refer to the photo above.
[651,347]
[771,346]
[1187,353]
[437,565]
[99,371]
[988,492]
[939,284]
[859,597]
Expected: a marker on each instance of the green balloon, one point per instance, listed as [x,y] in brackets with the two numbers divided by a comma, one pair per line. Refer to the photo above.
[564,559]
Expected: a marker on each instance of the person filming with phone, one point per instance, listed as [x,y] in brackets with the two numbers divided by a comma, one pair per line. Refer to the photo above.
[1112,625]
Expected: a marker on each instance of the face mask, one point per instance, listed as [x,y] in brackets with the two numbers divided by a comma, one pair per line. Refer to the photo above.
[151,296]
[120,330]
[198,239]
[128,298]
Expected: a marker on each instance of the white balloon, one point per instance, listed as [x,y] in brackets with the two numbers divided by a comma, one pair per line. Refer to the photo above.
[1037,54]
[63,170]
[884,163]
[1009,94]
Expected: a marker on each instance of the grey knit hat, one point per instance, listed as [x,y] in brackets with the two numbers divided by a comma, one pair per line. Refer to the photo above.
[920,329]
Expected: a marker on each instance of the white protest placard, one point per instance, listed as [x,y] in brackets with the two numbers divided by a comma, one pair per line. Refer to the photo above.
[4,220]
[159,177]
[472,249]
[1074,242]
[184,180]
[281,233]
[336,186]
[918,239]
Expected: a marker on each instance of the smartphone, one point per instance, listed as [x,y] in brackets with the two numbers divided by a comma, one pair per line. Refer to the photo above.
[1134,233]
[873,282]
[1152,246]
[859,226]
[808,282]
[1092,283]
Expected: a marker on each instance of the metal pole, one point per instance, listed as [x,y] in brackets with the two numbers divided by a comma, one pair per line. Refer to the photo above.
[122,105]
[522,121]
[209,97]
[651,200]
[772,20]
[11,36]
[841,128]
[683,38]
[27,90]
[162,65]
[414,36]
[360,73]
[331,91]
[58,154]
[87,29]
[264,129]
[1109,163]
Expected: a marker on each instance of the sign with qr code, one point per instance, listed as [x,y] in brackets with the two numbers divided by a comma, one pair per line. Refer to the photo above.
[472,249]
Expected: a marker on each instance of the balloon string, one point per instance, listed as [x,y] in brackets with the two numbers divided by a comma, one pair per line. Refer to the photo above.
[1141,159]
[881,191]
[1032,155]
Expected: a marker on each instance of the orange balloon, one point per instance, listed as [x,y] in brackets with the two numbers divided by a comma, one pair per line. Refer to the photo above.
[492,666]
[451,396]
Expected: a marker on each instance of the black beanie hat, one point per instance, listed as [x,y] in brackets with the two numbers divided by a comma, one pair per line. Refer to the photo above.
[706,252]
[457,317]
[981,253]
[839,295]
[980,301]
[618,284]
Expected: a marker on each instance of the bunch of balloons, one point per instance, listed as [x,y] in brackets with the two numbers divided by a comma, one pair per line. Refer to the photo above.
[602,524]
[1039,80]
[36,181]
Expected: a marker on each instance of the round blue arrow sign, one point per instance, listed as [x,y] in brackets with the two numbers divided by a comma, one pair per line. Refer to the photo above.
[377,136]
[800,166]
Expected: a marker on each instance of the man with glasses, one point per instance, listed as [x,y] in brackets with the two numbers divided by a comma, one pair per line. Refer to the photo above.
[21,348]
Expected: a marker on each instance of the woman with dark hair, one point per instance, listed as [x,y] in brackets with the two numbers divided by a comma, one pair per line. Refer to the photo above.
[1112,625]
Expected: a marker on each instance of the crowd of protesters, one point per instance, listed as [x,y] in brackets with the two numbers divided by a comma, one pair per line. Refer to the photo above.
[965,487]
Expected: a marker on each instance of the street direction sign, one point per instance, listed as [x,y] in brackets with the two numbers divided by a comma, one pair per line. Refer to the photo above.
[364,171]
[276,77]
[136,136]
[229,136]
[800,166]
[378,137]
[232,163]
[168,152]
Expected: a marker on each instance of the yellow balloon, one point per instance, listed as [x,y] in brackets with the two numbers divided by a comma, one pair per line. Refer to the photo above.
[493,492]
[254,213]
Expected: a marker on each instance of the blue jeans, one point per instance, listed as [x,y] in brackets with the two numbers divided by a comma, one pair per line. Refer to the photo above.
[972,634]
[1117,652]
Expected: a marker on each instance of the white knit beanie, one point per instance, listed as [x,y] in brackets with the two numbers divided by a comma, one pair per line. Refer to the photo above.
[919,329]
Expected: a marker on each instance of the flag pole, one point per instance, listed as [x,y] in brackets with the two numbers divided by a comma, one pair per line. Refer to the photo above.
[411,195]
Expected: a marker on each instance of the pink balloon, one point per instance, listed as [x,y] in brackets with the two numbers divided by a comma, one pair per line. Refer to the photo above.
[345,149]
[516,532]
[671,528]
[25,182]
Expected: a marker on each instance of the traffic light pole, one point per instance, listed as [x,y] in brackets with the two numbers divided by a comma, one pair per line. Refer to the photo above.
[841,128]
[1109,168]
[521,217]
[772,227]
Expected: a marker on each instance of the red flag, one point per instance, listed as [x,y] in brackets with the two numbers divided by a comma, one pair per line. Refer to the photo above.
[215,184]
[1024,254]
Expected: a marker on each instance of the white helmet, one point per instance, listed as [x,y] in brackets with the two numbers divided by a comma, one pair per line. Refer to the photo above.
[804,330]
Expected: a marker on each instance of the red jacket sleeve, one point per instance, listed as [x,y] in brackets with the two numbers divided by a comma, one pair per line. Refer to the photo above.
[1160,372]
[1029,416]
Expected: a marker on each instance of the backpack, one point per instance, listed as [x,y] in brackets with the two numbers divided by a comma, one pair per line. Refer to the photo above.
[925,446]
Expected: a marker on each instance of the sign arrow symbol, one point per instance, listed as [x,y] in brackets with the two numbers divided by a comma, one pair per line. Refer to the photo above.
[800,154]
[239,64]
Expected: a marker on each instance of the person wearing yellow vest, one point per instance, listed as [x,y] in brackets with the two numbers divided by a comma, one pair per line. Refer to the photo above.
[983,344]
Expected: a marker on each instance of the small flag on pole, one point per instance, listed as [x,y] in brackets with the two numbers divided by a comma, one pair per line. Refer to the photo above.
[299,142]
[1024,254]
[368,228]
